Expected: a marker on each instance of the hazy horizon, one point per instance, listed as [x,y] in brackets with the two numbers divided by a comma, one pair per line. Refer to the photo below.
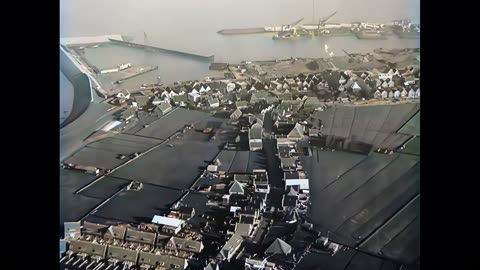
[88,17]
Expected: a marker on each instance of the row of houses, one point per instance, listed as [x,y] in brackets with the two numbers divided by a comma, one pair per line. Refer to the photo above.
[132,244]
[412,93]
[241,94]
[130,257]
[243,197]
[290,163]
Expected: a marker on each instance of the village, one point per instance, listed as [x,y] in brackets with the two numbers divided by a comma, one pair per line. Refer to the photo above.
[239,213]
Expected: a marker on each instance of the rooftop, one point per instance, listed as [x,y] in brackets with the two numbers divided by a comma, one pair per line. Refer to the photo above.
[279,247]
[167,221]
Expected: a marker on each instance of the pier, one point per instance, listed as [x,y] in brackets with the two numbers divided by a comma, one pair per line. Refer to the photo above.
[209,58]
[135,73]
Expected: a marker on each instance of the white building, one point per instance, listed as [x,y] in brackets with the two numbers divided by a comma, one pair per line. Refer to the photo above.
[397,94]
[384,94]
[296,179]
[255,137]
[385,76]
[169,225]
[214,103]
[417,93]
[193,96]
[411,93]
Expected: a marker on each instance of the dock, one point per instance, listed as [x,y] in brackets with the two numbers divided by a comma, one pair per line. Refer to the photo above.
[135,73]
[209,58]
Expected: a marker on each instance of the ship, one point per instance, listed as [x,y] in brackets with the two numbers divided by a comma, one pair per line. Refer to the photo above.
[124,66]
[370,34]
[242,31]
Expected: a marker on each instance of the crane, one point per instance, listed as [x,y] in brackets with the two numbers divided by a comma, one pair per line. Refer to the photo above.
[322,22]
[289,30]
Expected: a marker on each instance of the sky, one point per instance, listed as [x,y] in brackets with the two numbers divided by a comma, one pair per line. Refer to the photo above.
[97,17]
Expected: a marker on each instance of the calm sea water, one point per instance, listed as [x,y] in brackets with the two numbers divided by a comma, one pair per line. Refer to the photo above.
[191,26]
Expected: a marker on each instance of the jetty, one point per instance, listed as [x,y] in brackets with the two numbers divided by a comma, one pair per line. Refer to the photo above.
[209,58]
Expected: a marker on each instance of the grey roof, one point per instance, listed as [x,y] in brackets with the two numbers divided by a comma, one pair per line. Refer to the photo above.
[251,118]
[255,131]
[242,177]
[312,102]
[164,107]
[140,236]
[357,85]
[292,191]
[211,266]
[128,112]
[121,253]
[179,98]
[156,99]
[259,95]
[213,101]
[94,229]
[230,246]
[292,103]
[271,100]
[297,131]
[142,100]
[116,232]
[279,247]
[184,244]
[236,188]
[236,114]
[241,103]
[160,260]
[242,228]
[288,162]
[255,145]
[223,99]
[87,247]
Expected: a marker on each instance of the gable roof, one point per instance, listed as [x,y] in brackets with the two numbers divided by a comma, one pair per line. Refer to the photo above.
[236,188]
[179,98]
[297,131]
[259,95]
[236,114]
[279,247]
[142,100]
[255,131]
[213,101]
[164,106]
[242,228]
[241,103]
[230,246]
[312,101]
[292,191]
[211,266]
[185,244]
